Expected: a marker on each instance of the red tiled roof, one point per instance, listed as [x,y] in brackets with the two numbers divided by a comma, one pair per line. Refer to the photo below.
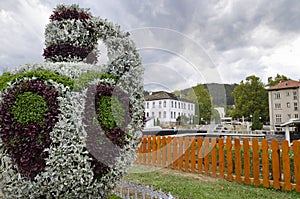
[285,85]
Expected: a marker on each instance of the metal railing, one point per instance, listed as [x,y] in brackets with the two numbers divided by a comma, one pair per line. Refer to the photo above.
[130,190]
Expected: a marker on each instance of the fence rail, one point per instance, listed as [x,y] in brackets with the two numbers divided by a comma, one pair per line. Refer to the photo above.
[255,162]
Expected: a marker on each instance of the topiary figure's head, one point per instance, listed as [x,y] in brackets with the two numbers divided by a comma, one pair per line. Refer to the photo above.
[71,35]
[70,129]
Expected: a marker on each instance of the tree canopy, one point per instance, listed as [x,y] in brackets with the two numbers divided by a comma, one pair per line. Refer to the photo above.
[202,98]
[256,124]
[250,97]
[276,80]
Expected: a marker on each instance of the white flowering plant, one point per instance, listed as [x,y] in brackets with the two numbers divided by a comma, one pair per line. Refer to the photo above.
[70,129]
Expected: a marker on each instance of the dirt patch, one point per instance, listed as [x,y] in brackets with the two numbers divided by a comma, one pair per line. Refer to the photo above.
[146,169]
[200,177]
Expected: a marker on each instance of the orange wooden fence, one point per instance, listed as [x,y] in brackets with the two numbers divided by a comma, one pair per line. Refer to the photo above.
[250,162]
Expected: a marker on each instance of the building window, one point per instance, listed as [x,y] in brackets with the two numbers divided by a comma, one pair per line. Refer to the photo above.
[295,106]
[277,95]
[181,105]
[153,114]
[178,114]
[278,118]
[295,95]
[288,105]
[175,104]
[287,93]
[165,114]
[147,114]
[165,104]
[277,106]
[174,114]
[159,104]
[289,116]
[171,114]
[153,104]
[147,105]
[178,104]
[188,106]
[296,116]
[159,114]
[191,106]
[172,104]
[184,106]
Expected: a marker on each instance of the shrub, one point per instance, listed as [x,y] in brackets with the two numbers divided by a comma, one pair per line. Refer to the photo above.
[88,77]
[29,108]
[39,74]
[110,112]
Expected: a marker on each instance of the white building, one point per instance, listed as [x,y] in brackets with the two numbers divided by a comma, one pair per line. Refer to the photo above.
[167,107]
[284,103]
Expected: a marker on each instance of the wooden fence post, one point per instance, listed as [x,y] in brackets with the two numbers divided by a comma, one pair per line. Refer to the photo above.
[265,163]
[169,152]
[144,142]
[213,157]
[149,150]
[206,155]
[180,153]
[153,152]
[286,165]
[221,156]
[296,149]
[175,153]
[275,164]
[246,147]
[193,155]
[199,154]
[237,157]
[158,151]
[256,163]
[229,159]
[164,151]
[186,153]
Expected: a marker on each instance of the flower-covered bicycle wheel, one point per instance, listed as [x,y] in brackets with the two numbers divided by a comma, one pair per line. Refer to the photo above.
[70,128]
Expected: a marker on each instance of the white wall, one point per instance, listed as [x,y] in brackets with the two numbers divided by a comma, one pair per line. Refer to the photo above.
[166,111]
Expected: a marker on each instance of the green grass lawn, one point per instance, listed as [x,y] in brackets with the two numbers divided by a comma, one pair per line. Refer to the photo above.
[193,186]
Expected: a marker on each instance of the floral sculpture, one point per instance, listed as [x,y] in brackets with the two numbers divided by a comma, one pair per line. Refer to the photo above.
[70,128]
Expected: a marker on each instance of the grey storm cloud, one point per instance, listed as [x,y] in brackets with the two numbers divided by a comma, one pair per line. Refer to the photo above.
[230,39]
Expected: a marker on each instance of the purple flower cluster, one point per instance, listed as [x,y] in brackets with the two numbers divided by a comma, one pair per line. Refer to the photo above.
[104,144]
[26,143]
[66,50]
[69,14]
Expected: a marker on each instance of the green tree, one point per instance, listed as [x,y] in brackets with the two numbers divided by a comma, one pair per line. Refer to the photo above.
[256,124]
[250,97]
[157,122]
[228,110]
[202,98]
[178,93]
[276,80]
[182,120]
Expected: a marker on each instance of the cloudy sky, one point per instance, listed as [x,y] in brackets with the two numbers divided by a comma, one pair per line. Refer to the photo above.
[182,42]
